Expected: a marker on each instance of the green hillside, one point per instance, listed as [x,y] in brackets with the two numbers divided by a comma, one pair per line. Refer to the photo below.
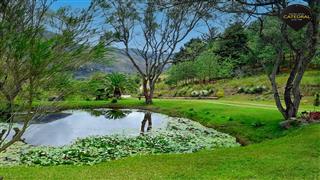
[309,86]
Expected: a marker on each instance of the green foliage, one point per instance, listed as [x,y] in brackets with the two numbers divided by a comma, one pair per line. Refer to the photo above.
[195,93]
[316,100]
[207,66]
[234,44]
[220,93]
[119,83]
[190,51]
[252,90]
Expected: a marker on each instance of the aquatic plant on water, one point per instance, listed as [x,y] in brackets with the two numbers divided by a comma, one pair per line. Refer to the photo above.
[180,136]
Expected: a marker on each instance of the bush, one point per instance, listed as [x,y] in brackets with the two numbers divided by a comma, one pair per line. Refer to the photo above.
[220,93]
[204,93]
[195,93]
[240,90]
[252,90]
[114,100]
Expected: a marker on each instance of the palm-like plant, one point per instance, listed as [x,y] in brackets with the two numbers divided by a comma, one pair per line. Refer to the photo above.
[118,83]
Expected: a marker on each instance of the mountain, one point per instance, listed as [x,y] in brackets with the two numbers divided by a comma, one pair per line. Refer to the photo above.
[115,60]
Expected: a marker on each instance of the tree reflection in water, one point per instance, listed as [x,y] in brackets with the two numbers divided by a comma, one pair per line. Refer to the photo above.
[147,118]
[111,113]
[116,113]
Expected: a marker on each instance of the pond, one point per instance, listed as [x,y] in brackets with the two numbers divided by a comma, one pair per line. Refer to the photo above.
[63,128]
[92,136]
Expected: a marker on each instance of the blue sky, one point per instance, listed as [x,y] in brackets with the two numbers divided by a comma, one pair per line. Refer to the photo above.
[221,22]
[85,3]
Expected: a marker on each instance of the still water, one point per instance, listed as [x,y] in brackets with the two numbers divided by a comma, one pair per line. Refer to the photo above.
[63,128]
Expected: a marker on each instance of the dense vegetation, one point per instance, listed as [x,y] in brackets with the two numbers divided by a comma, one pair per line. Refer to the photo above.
[236,52]
[232,86]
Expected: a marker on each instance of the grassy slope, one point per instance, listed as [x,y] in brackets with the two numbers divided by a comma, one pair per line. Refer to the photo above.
[309,85]
[295,156]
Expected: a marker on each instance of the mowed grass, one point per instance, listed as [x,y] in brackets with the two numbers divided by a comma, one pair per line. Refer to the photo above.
[295,156]
[273,153]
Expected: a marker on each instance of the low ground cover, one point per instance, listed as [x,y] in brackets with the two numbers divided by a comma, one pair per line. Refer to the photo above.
[180,136]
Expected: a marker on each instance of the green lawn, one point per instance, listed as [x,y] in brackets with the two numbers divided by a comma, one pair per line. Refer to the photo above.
[293,154]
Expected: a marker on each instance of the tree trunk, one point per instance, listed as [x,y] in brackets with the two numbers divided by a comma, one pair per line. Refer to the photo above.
[148,91]
[117,93]
[292,95]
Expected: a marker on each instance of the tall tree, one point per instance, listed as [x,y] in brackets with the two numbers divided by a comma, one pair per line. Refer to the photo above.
[303,46]
[233,44]
[189,51]
[30,57]
[162,28]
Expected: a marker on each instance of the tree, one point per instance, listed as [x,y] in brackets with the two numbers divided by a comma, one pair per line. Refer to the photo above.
[190,51]
[209,66]
[118,83]
[162,29]
[303,46]
[30,57]
[233,43]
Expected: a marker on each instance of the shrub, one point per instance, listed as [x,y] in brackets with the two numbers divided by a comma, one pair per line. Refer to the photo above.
[240,90]
[195,93]
[220,93]
[252,90]
[204,93]
[114,100]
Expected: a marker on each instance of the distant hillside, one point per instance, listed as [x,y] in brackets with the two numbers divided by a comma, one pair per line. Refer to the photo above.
[115,61]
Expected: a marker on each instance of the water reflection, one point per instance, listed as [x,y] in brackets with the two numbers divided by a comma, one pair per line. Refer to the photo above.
[67,126]
[110,113]
[116,113]
[147,118]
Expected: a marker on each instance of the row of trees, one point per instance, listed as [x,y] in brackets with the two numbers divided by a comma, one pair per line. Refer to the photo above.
[223,56]
[237,51]
[204,68]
